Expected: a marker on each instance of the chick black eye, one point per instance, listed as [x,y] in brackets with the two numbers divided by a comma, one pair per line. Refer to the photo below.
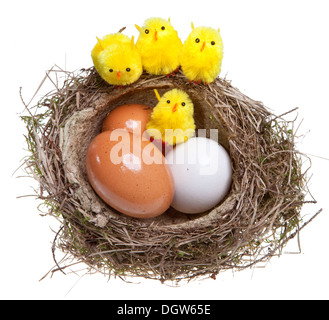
[197,40]
[111,70]
[213,43]
[168,101]
[128,69]
[147,31]
[183,104]
[163,28]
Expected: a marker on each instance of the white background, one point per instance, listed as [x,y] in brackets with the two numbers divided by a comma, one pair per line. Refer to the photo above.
[275,51]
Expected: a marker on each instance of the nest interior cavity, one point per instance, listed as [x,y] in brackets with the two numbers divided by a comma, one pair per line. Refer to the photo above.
[252,224]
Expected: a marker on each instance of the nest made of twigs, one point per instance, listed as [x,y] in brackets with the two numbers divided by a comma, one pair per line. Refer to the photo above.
[253,223]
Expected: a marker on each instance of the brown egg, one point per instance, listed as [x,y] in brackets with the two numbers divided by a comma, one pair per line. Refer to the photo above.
[130,174]
[130,117]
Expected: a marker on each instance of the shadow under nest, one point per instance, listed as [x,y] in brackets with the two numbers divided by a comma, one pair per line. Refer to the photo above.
[258,217]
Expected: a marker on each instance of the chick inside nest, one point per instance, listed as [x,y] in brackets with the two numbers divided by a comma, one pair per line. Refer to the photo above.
[258,217]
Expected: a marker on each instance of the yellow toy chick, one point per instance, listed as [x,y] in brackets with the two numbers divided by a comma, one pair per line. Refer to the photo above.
[172,118]
[159,46]
[117,59]
[202,55]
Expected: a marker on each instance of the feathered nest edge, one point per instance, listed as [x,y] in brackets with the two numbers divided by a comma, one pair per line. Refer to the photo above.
[259,216]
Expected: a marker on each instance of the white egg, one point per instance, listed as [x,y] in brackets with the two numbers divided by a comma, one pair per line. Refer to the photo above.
[202,174]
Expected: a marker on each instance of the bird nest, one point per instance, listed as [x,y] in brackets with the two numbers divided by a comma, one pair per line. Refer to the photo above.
[257,218]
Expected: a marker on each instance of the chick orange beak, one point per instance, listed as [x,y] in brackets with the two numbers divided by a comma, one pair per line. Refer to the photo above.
[203,46]
[118,74]
[156,35]
[174,109]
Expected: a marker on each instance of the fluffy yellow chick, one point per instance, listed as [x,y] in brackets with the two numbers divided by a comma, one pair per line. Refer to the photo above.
[159,46]
[174,111]
[117,59]
[202,55]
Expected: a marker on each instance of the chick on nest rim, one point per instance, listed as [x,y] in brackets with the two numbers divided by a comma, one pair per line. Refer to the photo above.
[159,46]
[117,59]
[202,55]
[172,119]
